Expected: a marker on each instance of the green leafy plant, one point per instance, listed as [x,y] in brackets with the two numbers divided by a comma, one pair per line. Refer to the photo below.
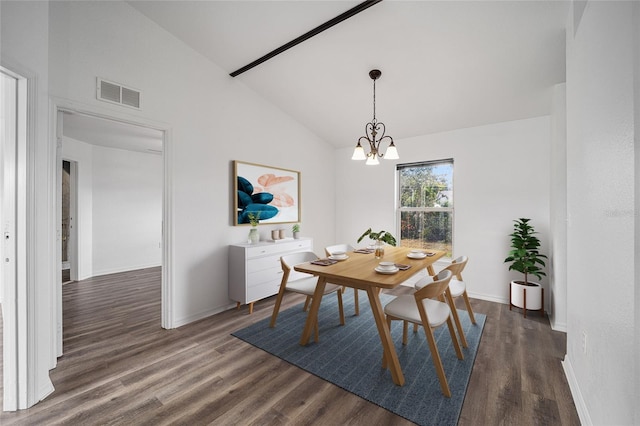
[254,218]
[296,227]
[525,256]
[385,236]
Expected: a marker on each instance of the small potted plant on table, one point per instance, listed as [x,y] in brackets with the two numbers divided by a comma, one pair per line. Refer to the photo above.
[525,257]
[380,238]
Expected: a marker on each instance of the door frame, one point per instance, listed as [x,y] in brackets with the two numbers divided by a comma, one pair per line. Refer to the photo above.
[18,366]
[60,106]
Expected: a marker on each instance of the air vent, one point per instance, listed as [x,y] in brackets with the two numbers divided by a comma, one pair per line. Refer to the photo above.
[115,93]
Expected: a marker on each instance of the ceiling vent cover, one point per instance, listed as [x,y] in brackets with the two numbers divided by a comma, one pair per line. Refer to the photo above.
[116,93]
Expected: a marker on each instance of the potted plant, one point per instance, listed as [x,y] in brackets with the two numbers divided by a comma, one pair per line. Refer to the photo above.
[296,231]
[525,257]
[380,238]
[254,219]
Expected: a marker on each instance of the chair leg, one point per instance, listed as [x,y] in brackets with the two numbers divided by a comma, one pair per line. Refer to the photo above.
[307,301]
[405,327]
[468,303]
[355,301]
[415,327]
[276,307]
[437,362]
[456,319]
[384,358]
[454,339]
[339,293]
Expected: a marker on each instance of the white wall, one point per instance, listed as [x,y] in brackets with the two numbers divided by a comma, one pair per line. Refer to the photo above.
[213,120]
[501,173]
[636,168]
[127,210]
[600,205]
[557,266]
[119,216]
[82,154]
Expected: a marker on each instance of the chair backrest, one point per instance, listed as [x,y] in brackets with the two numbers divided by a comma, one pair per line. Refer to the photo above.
[457,265]
[437,288]
[290,260]
[329,250]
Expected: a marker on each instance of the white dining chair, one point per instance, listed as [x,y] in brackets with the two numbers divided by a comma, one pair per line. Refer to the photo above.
[329,250]
[430,307]
[301,283]
[457,288]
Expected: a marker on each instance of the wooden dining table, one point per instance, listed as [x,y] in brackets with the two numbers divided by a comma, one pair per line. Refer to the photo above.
[358,271]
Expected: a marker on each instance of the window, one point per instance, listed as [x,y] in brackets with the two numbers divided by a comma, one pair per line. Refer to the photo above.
[425,205]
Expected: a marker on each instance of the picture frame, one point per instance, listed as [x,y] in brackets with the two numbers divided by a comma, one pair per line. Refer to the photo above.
[271,192]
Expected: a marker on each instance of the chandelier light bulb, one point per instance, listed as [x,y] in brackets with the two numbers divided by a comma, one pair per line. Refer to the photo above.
[391,153]
[372,160]
[358,153]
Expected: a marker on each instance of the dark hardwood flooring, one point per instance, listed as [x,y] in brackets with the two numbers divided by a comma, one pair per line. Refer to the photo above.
[121,368]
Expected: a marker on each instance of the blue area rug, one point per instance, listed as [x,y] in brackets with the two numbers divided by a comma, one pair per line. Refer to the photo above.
[350,357]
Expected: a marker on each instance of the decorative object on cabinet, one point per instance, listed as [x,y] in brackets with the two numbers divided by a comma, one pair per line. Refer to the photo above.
[255,271]
[272,192]
[525,257]
[296,230]
[254,235]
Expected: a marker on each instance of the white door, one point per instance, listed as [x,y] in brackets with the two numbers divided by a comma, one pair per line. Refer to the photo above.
[8,264]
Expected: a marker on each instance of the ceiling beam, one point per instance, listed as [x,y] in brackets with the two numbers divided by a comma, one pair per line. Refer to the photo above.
[317,30]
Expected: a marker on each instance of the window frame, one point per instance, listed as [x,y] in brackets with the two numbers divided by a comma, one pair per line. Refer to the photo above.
[399,209]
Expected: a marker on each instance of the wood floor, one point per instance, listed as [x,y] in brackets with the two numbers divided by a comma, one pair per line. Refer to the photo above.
[121,368]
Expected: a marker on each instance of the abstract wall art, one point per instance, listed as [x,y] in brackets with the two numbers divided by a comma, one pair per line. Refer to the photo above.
[271,193]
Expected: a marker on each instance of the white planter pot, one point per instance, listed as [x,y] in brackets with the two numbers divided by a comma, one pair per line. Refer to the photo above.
[528,297]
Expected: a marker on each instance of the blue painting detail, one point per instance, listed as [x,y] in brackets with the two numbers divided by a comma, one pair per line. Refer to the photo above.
[248,202]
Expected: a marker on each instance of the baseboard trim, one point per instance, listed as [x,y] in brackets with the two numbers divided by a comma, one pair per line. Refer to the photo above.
[581,406]
[488,298]
[124,269]
[201,315]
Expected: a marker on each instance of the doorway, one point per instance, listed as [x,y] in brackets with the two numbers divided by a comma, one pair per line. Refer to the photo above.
[88,203]
[68,215]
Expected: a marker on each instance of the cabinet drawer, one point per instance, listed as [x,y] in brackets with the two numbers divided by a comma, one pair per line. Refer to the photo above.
[262,291]
[262,263]
[276,248]
[273,275]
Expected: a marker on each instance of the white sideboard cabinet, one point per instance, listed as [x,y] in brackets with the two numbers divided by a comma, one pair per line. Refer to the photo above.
[255,271]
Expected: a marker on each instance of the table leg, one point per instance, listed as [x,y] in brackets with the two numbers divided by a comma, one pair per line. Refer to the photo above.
[312,316]
[385,336]
[430,270]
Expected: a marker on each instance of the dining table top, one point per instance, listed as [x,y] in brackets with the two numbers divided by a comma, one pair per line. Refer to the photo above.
[358,270]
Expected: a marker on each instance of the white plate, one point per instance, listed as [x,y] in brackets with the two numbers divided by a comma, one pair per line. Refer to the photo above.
[345,257]
[416,255]
[386,271]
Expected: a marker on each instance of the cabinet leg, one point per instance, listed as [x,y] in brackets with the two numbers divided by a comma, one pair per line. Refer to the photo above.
[250,308]
[237,305]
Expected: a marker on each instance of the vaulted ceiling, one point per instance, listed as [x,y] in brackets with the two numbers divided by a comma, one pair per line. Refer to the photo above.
[445,64]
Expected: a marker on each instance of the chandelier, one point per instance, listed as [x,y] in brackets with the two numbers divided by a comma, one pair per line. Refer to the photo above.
[374,135]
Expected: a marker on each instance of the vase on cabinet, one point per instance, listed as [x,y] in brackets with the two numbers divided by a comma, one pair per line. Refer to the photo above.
[254,236]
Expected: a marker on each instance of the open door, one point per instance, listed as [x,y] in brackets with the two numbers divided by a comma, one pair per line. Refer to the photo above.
[68,237]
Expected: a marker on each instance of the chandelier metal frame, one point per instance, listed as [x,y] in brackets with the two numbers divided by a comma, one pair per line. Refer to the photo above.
[374,135]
